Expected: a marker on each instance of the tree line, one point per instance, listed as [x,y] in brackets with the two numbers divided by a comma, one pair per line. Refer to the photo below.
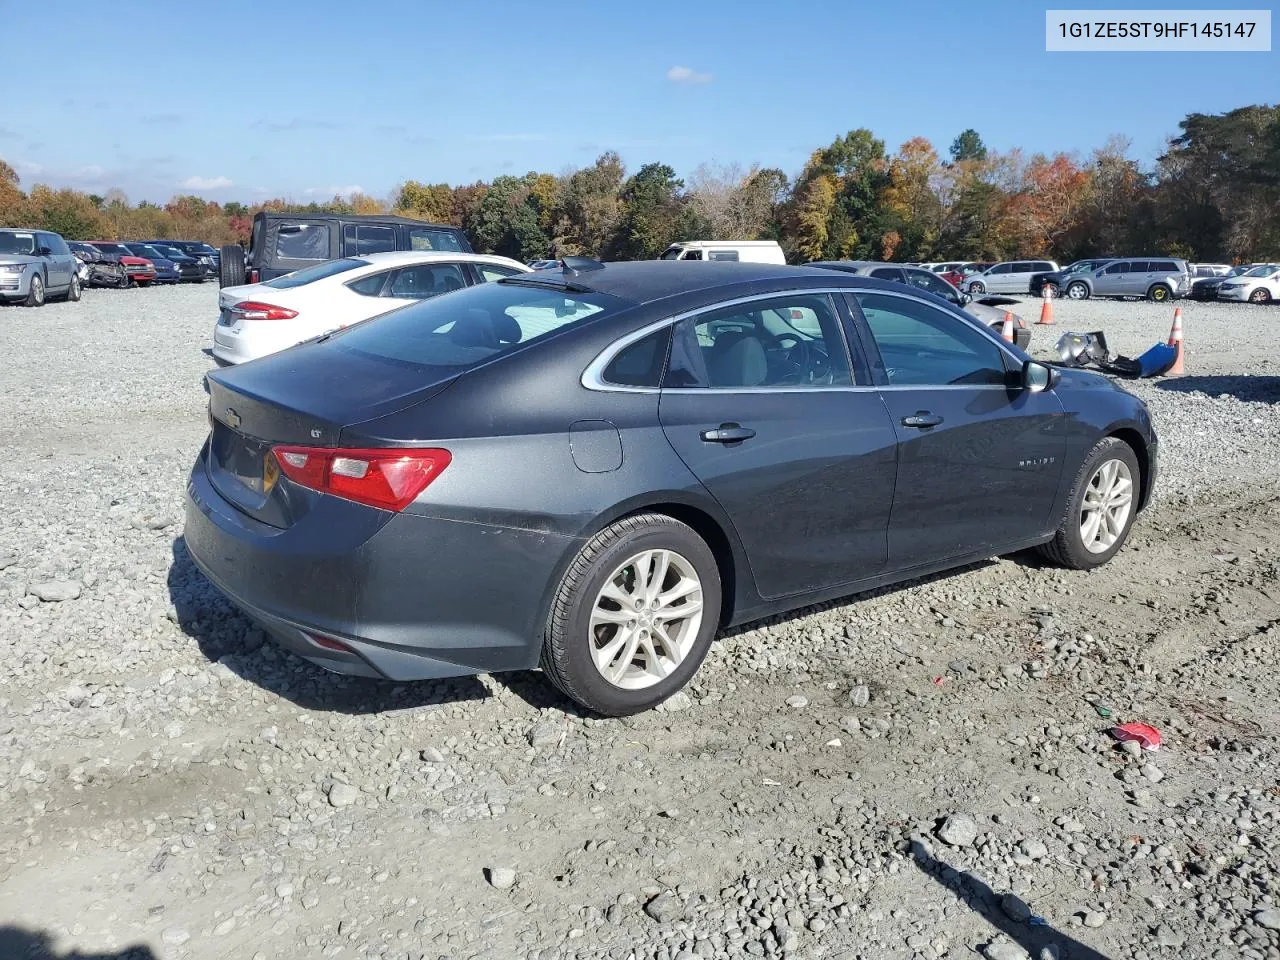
[1214,195]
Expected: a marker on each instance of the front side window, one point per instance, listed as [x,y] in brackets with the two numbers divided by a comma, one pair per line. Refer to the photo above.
[303,241]
[1117,268]
[671,253]
[425,238]
[922,345]
[1002,268]
[446,335]
[692,255]
[1264,270]
[424,280]
[791,341]
[307,275]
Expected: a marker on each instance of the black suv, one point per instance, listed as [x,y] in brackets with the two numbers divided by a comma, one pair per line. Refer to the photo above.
[283,242]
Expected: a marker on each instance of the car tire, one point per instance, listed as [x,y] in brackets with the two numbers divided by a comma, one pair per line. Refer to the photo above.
[231,270]
[1078,291]
[1261,295]
[73,291]
[35,293]
[1052,288]
[1081,543]
[583,625]
[976,289]
[1159,293]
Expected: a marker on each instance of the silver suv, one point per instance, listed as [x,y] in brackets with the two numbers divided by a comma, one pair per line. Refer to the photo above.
[35,265]
[1156,279]
[1012,276]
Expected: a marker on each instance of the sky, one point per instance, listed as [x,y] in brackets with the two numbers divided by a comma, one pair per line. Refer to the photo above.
[246,101]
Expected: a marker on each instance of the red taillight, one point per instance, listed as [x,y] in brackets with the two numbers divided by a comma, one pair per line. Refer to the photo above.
[328,643]
[389,479]
[253,310]
[253,276]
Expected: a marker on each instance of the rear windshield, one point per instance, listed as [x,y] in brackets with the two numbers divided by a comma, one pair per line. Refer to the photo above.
[309,274]
[465,328]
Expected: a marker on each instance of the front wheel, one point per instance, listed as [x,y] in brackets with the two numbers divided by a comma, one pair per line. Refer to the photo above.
[634,616]
[1078,291]
[73,291]
[1261,295]
[1052,288]
[1159,293]
[977,288]
[1100,513]
[35,293]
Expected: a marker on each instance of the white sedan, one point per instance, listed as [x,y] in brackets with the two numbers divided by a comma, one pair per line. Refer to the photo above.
[1260,284]
[261,318]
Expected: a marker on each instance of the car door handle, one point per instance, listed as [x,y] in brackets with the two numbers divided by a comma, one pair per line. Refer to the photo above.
[922,419]
[728,433]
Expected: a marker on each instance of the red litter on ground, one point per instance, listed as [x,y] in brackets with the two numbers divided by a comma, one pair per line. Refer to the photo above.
[1147,735]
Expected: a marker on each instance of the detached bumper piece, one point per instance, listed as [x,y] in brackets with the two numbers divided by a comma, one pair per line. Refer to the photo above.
[1090,349]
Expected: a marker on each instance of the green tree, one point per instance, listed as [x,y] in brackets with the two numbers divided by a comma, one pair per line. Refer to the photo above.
[968,146]
[652,213]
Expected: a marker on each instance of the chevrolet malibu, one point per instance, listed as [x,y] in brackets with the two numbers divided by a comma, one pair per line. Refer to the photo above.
[595,468]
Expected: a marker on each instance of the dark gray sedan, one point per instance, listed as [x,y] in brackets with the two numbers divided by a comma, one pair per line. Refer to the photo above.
[593,469]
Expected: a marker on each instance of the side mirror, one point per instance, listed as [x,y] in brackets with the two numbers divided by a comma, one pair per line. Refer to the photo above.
[1037,377]
[966,299]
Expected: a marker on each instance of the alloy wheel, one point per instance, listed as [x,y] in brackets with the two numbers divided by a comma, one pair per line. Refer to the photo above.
[1077,291]
[1108,500]
[645,619]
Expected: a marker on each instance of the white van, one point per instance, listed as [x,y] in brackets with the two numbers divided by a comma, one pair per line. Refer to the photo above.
[747,251]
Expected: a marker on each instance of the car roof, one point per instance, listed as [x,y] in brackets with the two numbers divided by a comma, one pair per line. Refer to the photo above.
[352,217]
[645,281]
[427,256]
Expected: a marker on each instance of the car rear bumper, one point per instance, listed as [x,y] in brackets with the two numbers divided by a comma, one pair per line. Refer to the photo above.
[410,597]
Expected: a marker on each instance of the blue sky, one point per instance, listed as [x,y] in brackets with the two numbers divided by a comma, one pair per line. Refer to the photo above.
[239,100]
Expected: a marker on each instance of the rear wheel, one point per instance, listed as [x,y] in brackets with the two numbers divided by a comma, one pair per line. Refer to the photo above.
[231,272]
[35,293]
[1261,295]
[1078,291]
[634,616]
[1100,513]
[1159,293]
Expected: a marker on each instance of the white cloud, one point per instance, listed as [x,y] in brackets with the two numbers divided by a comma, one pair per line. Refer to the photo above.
[334,191]
[687,75]
[206,183]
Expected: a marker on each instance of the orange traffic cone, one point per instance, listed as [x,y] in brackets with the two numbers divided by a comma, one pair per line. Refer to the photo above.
[1175,340]
[1046,308]
[1006,330]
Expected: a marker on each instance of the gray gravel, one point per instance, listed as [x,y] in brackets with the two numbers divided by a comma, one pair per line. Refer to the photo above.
[171,780]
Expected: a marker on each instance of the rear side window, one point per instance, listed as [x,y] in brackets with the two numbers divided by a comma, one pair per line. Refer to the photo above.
[425,238]
[371,285]
[641,363]
[1139,266]
[303,241]
[722,255]
[426,280]
[888,273]
[788,342]
[361,238]
[1165,266]
[451,334]
[490,271]
[311,274]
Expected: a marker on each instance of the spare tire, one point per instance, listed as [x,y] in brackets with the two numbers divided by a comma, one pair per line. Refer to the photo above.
[231,273]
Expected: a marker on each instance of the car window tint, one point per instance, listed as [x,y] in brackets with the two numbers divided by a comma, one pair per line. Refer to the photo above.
[926,346]
[426,238]
[307,275]
[371,285]
[887,273]
[303,241]
[641,363]
[58,245]
[1002,268]
[1165,266]
[692,255]
[722,255]
[360,238]
[426,280]
[489,272]
[1120,267]
[792,341]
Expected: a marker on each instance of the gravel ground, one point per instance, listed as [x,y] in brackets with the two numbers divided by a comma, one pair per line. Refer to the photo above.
[919,772]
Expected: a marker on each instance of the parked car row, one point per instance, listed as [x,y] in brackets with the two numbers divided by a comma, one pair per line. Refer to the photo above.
[38,265]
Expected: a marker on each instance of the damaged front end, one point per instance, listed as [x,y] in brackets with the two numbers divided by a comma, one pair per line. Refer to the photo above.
[1090,349]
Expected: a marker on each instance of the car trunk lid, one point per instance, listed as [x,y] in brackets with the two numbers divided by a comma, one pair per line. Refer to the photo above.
[304,397]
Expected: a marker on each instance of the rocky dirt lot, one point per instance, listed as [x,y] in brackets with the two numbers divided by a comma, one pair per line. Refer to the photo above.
[920,772]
